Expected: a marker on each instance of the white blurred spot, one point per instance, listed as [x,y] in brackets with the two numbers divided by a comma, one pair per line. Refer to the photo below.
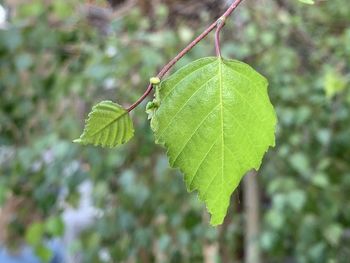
[111,51]
[79,219]
[104,255]
[109,83]
[3,16]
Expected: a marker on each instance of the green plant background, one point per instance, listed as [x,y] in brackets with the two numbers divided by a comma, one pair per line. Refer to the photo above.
[55,65]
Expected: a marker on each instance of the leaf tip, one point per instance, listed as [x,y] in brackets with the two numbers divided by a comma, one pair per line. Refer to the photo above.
[77,141]
[216,220]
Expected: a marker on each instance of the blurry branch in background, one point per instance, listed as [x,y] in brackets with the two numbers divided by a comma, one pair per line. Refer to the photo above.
[99,17]
[194,12]
[104,12]
[252,218]
[125,8]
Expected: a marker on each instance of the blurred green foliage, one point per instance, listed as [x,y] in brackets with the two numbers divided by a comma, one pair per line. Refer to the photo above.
[54,65]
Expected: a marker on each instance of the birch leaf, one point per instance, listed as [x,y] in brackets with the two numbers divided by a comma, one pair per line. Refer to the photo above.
[216,121]
[108,125]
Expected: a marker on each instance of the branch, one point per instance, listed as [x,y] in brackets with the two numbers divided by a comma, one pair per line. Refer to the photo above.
[219,24]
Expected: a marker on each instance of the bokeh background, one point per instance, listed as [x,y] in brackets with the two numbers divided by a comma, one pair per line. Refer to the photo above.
[61,202]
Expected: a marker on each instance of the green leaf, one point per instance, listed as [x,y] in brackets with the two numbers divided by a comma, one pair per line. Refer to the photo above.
[108,125]
[334,83]
[34,234]
[308,2]
[152,106]
[216,120]
[54,226]
[44,253]
[333,234]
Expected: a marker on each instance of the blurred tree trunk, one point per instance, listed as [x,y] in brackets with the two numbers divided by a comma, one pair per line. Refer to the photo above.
[225,253]
[252,228]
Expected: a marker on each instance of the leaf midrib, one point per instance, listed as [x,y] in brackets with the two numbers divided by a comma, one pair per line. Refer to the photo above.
[222,122]
[109,124]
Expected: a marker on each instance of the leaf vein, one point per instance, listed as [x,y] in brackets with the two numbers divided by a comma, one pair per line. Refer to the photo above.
[202,161]
[194,132]
[184,105]
[186,76]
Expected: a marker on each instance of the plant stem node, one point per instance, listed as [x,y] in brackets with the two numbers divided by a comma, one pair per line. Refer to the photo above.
[154,80]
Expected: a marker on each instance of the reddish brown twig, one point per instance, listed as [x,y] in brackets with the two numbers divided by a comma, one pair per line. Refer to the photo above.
[219,24]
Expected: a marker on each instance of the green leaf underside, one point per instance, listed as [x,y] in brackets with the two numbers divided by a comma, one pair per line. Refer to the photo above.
[216,121]
[108,125]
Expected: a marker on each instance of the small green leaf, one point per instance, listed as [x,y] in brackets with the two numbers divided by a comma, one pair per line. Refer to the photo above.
[108,125]
[334,83]
[152,106]
[216,120]
[308,2]
[34,234]
[333,234]
[44,253]
[54,226]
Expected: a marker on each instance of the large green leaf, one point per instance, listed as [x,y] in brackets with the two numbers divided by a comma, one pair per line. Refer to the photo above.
[108,125]
[216,120]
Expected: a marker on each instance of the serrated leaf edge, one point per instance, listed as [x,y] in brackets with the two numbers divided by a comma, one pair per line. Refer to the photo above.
[87,125]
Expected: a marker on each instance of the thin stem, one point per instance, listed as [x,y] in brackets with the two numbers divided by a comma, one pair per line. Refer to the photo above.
[186,50]
[147,92]
[219,24]
[168,66]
